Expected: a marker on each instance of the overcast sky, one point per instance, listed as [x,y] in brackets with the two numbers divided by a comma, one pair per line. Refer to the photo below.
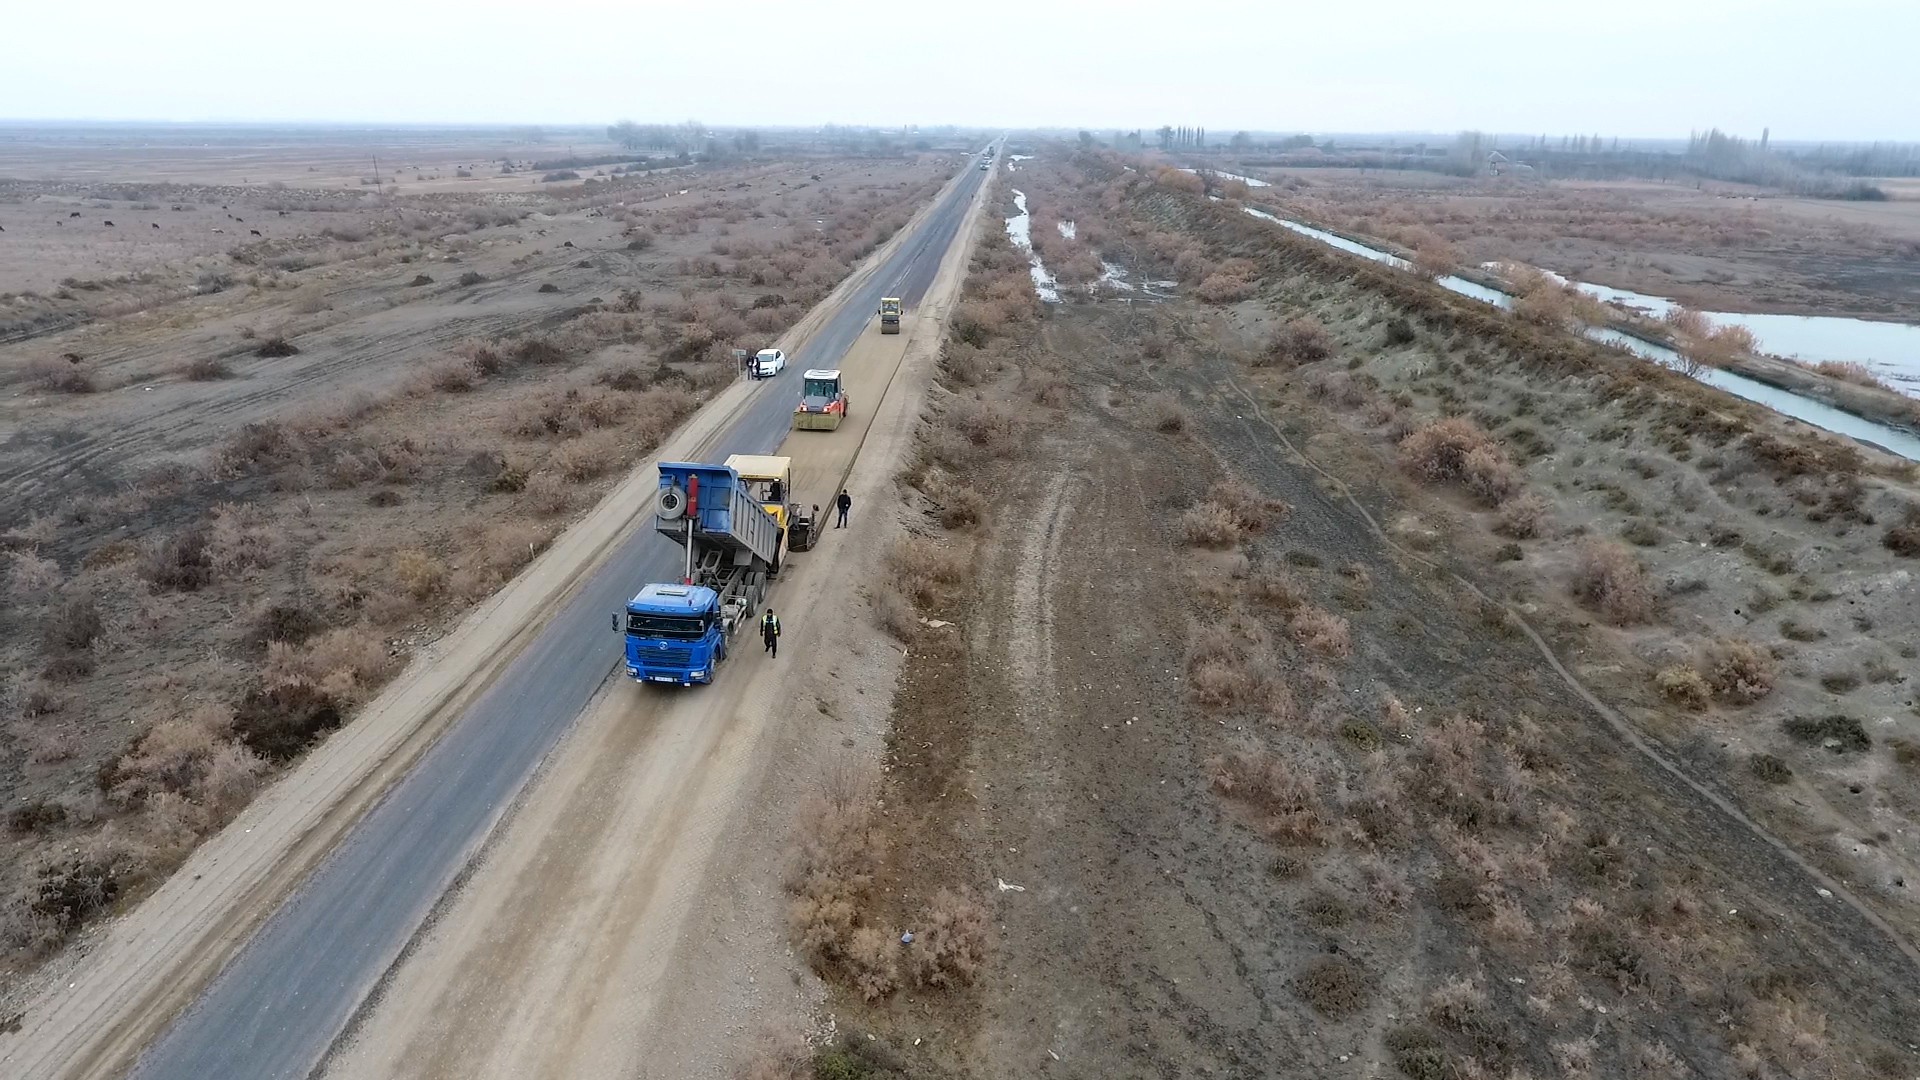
[1838,69]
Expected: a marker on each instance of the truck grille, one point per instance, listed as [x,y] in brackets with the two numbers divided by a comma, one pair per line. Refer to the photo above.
[665,658]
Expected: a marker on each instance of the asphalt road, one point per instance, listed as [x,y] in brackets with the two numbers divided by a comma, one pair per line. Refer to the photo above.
[279,1005]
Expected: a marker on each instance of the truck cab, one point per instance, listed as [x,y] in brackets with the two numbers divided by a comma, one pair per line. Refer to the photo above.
[675,634]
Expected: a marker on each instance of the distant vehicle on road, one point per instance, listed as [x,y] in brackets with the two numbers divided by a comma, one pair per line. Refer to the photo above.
[768,363]
[890,309]
[823,401]
[985,165]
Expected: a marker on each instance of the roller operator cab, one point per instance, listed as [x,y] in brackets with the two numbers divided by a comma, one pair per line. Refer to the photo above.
[823,401]
[675,634]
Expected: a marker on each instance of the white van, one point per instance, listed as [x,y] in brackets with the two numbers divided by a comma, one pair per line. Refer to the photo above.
[768,363]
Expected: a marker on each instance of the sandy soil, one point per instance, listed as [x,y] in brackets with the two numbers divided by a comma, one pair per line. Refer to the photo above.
[1714,250]
[628,921]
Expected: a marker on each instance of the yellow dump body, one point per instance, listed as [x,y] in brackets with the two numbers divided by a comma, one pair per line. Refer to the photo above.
[762,472]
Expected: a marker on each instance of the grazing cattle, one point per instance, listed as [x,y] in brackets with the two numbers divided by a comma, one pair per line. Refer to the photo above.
[221,231]
[255,232]
[156,224]
[73,213]
[283,213]
[109,224]
[241,220]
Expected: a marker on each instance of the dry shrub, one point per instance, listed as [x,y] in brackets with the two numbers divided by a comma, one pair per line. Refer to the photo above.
[894,613]
[1301,341]
[242,538]
[206,369]
[73,626]
[838,850]
[61,376]
[63,891]
[1521,517]
[280,722]
[1608,579]
[1321,632]
[924,568]
[1252,511]
[419,574]
[1224,289]
[1849,371]
[1281,802]
[192,757]
[1456,450]
[347,663]
[452,377]
[989,426]
[959,506]
[1546,304]
[1336,986]
[950,947]
[1210,525]
[1738,671]
[1903,539]
[1276,589]
[547,494]
[179,563]
[31,578]
[1164,412]
[1683,685]
[1180,180]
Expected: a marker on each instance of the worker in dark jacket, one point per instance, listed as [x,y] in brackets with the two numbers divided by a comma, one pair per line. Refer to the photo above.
[845,503]
[770,632]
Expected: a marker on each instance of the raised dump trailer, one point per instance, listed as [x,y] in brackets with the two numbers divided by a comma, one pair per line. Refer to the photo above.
[823,401]
[677,633]
[890,309]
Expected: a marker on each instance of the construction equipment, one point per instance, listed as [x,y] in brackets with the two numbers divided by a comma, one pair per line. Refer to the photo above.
[770,480]
[823,401]
[677,633]
[890,309]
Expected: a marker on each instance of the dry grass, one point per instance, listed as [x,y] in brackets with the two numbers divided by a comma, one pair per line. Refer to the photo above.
[1320,632]
[1683,685]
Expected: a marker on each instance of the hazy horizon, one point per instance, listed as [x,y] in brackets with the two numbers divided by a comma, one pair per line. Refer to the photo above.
[1639,69]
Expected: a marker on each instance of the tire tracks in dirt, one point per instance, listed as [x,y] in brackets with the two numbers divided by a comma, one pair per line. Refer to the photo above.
[1620,725]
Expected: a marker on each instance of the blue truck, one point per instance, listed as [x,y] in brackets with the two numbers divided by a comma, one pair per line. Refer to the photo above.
[735,530]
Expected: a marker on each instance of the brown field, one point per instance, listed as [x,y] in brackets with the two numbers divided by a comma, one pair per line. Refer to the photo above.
[244,478]
[1314,673]
[1714,247]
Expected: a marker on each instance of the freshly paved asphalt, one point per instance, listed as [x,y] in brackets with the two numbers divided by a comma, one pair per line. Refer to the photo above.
[283,1000]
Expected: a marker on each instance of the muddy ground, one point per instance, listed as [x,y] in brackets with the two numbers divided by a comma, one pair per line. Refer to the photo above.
[1262,752]
[1715,247]
[242,481]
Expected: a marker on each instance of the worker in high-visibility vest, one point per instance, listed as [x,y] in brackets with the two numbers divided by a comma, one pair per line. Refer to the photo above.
[770,632]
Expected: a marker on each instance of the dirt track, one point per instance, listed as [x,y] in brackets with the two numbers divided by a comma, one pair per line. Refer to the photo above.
[566,954]
[136,977]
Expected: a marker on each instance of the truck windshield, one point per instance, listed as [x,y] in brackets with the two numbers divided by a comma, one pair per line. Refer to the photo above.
[667,626]
[819,388]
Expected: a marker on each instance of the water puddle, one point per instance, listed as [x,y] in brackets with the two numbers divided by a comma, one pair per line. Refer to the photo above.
[1816,413]
[1020,231]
